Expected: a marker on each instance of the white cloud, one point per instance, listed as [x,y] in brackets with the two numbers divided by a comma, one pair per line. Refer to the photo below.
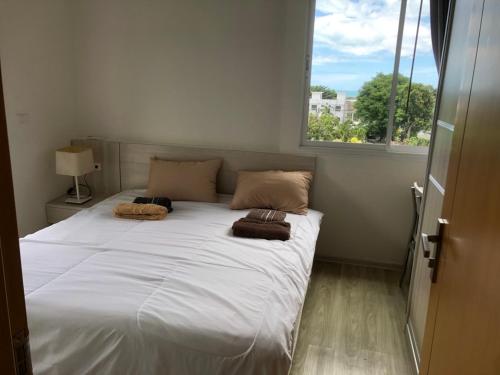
[368,27]
[322,60]
[346,80]
[328,59]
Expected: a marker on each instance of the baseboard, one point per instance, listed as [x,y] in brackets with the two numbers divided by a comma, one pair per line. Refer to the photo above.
[412,347]
[356,262]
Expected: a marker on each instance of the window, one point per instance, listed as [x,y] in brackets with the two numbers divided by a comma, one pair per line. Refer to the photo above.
[416,96]
[372,73]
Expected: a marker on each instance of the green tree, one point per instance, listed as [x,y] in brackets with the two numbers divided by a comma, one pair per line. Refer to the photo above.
[322,127]
[417,115]
[372,104]
[328,93]
[352,131]
[415,141]
[327,127]
[372,107]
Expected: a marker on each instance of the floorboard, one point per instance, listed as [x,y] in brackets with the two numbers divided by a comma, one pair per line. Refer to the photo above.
[352,323]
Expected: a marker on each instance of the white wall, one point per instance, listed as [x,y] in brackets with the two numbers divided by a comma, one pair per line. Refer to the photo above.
[37,70]
[227,74]
[186,71]
[231,74]
[364,194]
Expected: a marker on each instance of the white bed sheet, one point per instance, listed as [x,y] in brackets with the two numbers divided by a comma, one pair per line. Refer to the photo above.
[178,296]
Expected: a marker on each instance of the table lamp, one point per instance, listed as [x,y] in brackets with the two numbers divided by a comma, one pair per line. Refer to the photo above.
[75,161]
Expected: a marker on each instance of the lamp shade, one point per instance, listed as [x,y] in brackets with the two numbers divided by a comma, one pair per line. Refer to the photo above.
[74,161]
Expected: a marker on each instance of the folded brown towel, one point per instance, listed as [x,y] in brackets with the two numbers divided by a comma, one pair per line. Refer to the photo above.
[266,215]
[140,211]
[252,228]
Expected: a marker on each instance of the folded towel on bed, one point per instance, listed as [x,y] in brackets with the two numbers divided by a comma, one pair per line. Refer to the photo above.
[140,211]
[161,201]
[266,215]
[255,228]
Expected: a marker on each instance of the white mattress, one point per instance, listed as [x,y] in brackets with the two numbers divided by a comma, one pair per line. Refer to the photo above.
[178,296]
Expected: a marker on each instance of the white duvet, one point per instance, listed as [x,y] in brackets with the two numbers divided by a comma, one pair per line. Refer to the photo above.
[178,296]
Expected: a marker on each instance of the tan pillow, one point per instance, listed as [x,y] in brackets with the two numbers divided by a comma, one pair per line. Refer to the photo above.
[184,180]
[279,190]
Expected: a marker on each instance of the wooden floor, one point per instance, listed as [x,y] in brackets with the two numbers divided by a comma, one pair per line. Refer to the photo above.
[352,323]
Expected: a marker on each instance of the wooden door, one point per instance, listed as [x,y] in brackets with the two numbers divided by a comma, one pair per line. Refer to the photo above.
[14,347]
[462,336]
[452,105]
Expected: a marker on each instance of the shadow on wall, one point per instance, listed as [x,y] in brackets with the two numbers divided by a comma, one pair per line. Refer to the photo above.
[367,206]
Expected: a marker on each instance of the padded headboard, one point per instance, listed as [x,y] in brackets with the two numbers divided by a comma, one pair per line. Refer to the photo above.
[126,165]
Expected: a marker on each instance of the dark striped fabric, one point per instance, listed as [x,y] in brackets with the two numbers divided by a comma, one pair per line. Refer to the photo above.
[160,201]
[267,216]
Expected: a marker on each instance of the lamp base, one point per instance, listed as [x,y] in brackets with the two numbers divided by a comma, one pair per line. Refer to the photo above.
[74,200]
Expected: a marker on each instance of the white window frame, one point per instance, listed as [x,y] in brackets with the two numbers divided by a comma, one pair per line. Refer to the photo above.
[388,146]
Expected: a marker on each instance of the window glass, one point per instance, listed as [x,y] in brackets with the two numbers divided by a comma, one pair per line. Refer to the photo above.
[353,57]
[354,45]
[416,93]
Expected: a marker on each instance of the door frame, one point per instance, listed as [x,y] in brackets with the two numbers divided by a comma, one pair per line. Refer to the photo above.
[449,198]
[14,338]
[7,356]
[417,354]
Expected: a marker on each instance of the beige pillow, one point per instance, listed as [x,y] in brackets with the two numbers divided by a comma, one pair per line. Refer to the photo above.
[184,180]
[278,190]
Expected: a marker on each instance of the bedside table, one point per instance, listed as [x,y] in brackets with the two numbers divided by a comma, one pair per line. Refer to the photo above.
[58,210]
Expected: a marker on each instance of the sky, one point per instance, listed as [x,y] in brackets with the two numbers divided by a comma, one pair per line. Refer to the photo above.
[356,39]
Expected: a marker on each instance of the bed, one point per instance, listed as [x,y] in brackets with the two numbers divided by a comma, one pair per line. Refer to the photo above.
[178,296]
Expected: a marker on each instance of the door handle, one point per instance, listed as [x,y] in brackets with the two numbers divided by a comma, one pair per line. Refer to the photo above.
[437,239]
[426,243]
